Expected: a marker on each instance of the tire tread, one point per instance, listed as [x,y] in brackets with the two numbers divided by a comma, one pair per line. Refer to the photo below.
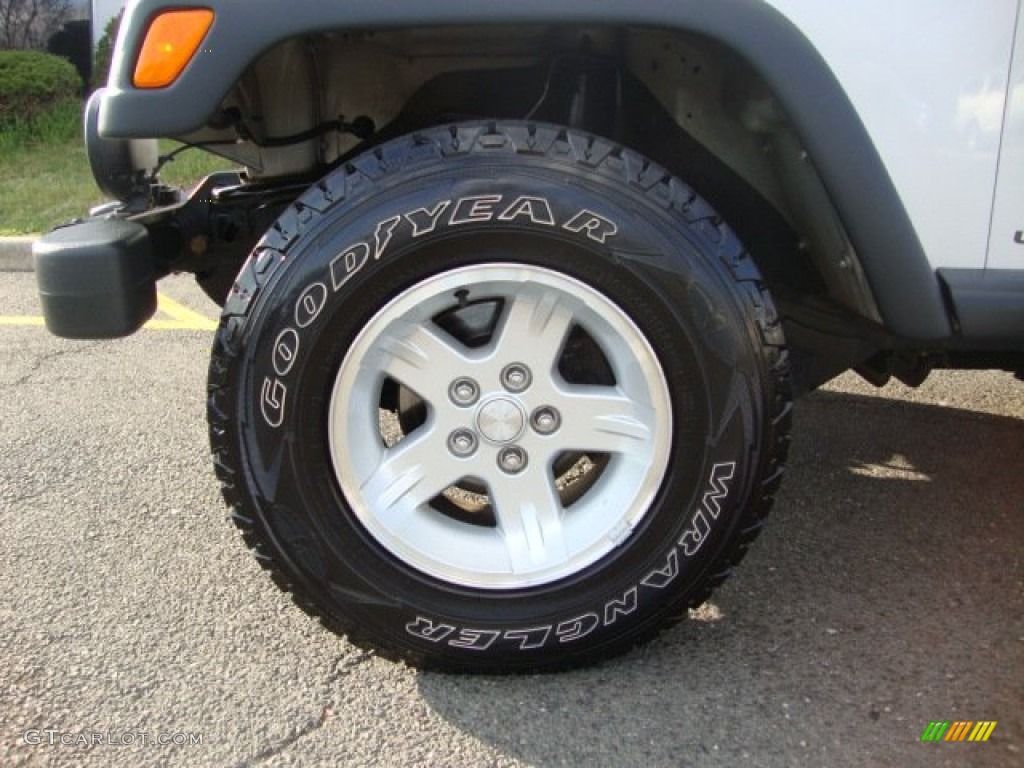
[356,180]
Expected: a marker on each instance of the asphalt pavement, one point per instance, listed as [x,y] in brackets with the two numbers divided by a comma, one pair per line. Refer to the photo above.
[886,593]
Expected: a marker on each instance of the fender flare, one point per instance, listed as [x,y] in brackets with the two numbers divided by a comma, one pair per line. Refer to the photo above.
[905,285]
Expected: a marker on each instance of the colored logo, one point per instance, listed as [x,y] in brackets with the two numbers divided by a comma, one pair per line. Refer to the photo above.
[959,730]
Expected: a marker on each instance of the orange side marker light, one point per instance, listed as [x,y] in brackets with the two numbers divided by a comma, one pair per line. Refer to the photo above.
[171,41]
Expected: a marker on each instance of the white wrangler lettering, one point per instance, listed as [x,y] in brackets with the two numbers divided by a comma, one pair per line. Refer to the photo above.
[574,629]
[428,630]
[424,221]
[475,639]
[622,607]
[477,208]
[719,488]
[528,638]
[585,624]
[346,264]
[597,227]
[537,208]
[660,578]
[696,534]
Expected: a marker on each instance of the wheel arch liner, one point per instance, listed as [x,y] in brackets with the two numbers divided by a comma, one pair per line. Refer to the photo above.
[905,286]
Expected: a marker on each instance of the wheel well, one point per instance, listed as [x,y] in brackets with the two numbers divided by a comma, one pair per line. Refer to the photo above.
[685,101]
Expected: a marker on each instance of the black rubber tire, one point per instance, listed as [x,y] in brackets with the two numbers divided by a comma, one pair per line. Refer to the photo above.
[675,268]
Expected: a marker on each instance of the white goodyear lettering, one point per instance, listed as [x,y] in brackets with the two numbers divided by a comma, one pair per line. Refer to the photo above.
[310,304]
[596,227]
[346,264]
[382,235]
[536,209]
[472,209]
[273,391]
[273,396]
[585,624]
[286,348]
[424,221]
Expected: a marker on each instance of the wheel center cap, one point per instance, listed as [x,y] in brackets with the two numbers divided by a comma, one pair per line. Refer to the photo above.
[501,420]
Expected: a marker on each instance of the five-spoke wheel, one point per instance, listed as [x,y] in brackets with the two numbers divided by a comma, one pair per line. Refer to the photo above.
[504,426]
[499,396]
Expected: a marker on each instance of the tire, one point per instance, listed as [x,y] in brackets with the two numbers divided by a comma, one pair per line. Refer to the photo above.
[499,397]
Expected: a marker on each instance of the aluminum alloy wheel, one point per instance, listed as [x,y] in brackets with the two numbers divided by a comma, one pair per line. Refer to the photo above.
[535,537]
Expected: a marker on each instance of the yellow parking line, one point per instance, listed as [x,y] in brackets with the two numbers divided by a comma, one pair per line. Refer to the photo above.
[181,318]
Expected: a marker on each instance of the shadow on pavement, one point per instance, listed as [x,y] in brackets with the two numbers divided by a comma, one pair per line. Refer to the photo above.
[885,592]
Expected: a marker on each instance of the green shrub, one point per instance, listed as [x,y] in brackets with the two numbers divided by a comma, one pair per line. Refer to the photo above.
[32,84]
[105,52]
[61,123]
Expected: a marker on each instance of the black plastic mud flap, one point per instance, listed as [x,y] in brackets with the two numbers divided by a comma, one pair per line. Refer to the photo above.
[96,279]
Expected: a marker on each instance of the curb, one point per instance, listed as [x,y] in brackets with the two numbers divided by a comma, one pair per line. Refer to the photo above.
[16,254]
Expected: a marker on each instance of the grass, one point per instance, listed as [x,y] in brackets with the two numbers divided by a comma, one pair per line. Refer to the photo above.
[44,172]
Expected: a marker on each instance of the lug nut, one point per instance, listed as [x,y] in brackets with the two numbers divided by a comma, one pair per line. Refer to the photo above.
[546,420]
[464,391]
[462,442]
[516,377]
[512,460]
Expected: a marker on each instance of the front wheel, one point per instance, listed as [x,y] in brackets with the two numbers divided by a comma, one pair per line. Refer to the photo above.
[499,397]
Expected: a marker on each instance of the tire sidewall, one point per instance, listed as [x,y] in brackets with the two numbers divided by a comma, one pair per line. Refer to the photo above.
[351,260]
